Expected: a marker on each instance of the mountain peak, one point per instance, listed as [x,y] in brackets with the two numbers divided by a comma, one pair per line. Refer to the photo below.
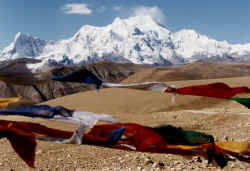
[24,45]
[188,34]
[138,39]
[145,23]
[20,36]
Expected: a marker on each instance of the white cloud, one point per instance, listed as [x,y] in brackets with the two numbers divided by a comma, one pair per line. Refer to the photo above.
[102,9]
[77,8]
[117,8]
[155,12]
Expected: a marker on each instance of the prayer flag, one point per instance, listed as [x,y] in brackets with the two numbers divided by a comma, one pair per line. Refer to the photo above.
[42,111]
[80,76]
[154,86]
[243,101]
[216,90]
[23,143]
[4,102]
[174,135]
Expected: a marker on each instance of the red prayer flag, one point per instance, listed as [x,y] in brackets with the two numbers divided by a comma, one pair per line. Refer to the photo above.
[216,90]
[22,142]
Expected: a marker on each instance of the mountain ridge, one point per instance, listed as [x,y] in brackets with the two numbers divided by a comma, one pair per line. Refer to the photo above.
[139,40]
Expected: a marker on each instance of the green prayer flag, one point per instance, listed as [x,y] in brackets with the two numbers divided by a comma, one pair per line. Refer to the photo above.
[174,135]
[243,101]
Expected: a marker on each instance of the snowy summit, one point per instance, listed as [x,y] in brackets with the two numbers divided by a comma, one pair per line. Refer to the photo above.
[139,40]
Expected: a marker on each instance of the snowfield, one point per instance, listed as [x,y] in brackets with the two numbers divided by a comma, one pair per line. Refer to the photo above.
[139,40]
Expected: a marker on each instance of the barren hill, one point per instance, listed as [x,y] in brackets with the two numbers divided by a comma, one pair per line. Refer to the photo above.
[107,71]
[128,101]
[115,72]
[194,71]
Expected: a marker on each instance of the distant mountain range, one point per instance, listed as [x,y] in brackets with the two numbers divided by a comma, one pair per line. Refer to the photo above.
[139,40]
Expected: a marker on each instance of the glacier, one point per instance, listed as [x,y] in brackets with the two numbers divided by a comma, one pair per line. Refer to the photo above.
[139,40]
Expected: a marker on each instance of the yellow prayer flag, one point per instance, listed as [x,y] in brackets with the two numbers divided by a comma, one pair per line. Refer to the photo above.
[5,101]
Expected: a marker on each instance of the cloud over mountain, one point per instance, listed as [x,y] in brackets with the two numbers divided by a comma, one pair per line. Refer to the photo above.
[155,12]
[76,8]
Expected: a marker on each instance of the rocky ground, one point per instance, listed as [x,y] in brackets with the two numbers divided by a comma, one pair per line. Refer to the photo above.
[225,120]
[51,156]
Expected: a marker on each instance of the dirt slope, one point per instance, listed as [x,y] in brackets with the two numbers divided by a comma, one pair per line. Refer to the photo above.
[194,71]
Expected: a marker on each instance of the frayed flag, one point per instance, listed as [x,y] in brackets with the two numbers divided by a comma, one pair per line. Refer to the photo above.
[22,137]
[42,111]
[153,86]
[59,113]
[146,139]
[216,90]
[76,138]
[23,142]
[4,102]
[174,135]
[239,149]
[85,76]
[115,136]
[80,76]
[243,101]
[139,137]
[85,117]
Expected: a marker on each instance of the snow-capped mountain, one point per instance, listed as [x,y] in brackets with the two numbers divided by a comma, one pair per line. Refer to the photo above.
[24,46]
[139,40]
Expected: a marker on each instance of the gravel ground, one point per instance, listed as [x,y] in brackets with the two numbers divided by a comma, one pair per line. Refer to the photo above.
[222,119]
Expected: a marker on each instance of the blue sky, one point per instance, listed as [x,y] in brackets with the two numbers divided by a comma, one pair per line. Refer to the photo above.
[59,19]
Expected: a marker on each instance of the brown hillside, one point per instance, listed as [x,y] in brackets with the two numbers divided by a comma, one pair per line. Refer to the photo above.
[115,72]
[128,101]
[194,71]
[107,71]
